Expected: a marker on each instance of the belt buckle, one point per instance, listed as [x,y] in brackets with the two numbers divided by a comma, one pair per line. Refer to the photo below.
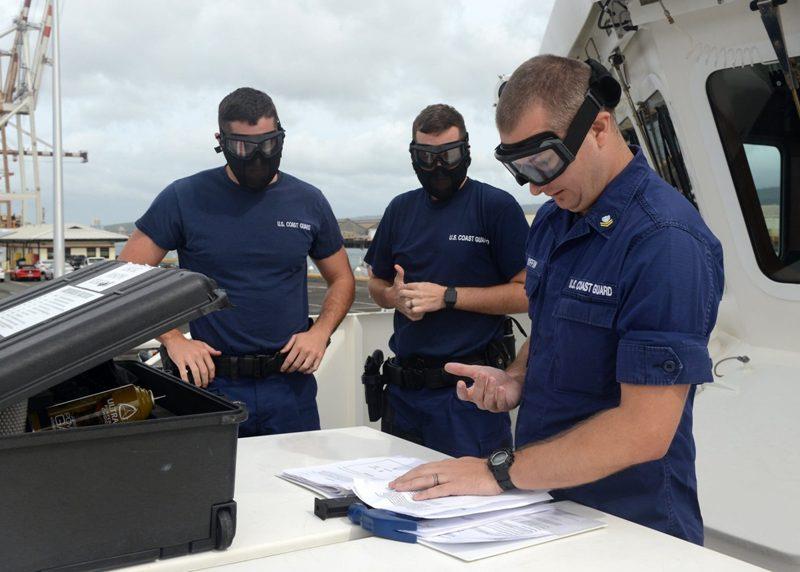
[248,366]
[272,363]
[260,365]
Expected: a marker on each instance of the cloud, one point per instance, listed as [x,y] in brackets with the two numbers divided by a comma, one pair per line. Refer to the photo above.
[141,82]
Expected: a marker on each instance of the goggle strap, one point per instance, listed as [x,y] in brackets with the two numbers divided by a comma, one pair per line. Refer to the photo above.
[581,123]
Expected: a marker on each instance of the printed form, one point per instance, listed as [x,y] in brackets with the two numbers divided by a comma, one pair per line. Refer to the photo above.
[378,495]
[336,479]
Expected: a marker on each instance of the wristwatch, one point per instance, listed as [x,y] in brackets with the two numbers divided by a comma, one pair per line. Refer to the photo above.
[450,297]
[499,463]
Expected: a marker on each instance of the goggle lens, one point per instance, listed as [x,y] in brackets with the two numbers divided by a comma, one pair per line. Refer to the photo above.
[244,149]
[428,159]
[539,168]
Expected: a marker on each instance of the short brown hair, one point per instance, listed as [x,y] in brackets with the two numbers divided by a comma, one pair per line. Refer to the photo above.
[245,104]
[557,84]
[437,118]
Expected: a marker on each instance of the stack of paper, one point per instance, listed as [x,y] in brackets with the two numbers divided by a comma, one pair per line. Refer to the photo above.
[468,527]
[336,479]
[378,495]
[474,527]
[531,522]
[508,534]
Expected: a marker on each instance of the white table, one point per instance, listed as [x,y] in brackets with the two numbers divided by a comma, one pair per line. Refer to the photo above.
[274,516]
[277,529]
[621,546]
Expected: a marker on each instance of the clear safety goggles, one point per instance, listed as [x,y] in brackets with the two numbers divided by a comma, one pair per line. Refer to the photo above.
[449,155]
[246,146]
[542,158]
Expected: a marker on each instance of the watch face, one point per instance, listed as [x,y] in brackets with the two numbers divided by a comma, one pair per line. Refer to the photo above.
[499,458]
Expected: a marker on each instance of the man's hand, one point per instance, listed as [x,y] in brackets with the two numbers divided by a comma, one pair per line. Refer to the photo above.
[464,476]
[423,297]
[402,305]
[192,355]
[304,351]
[493,389]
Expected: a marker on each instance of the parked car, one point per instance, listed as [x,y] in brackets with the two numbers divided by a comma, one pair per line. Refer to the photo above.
[46,268]
[2,274]
[94,260]
[76,261]
[27,272]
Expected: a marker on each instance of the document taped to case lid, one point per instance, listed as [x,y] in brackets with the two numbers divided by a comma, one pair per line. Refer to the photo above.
[45,307]
[115,277]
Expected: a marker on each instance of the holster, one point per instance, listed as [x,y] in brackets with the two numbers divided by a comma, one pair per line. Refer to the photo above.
[374,385]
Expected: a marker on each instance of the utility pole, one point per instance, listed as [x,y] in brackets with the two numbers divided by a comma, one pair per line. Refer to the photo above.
[58,160]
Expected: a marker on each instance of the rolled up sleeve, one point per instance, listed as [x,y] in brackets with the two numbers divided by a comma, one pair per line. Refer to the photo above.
[672,285]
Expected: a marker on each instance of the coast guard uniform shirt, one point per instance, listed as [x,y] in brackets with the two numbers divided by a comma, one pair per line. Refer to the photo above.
[477,238]
[254,244]
[627,293]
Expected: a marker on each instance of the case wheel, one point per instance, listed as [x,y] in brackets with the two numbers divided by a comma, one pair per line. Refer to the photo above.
[225,530]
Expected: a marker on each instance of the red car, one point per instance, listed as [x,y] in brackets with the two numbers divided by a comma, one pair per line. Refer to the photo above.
[27,272]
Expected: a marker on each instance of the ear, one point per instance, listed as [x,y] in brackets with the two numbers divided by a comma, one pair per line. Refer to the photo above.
[216,136]
[602,127]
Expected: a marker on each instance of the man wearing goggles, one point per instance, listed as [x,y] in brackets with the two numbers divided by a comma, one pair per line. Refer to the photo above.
[250,227]
[448,258]
[624,281]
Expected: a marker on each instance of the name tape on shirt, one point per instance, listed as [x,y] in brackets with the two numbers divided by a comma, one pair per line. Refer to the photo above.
[469,238]
[293,224]
[586,287]
[532,263]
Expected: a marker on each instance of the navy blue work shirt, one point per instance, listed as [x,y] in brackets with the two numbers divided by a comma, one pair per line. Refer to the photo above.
[627,293]
[254,244]
[477,239]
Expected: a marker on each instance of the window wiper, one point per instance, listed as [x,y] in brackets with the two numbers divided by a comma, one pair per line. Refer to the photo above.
[771,17]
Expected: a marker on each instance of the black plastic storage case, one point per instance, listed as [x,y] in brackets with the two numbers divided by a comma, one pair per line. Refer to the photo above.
[94,498]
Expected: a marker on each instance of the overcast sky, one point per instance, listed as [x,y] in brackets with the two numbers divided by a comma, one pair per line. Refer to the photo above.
[141,82]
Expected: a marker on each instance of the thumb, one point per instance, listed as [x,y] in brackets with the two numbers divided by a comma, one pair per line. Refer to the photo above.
[289,344]
[461,390]
[461,369]
[212,351]
[401,274]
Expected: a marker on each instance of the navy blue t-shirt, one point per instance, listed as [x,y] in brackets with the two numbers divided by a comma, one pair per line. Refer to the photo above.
[476,239]
[254,244]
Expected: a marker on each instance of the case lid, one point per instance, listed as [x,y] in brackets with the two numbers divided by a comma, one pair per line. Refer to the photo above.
[51,333]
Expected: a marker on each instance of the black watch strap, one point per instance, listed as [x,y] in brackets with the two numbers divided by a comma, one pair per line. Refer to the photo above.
[500,463]
[450,297]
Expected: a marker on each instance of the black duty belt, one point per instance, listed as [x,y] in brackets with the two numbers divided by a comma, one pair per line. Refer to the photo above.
[257,366]
[418,373]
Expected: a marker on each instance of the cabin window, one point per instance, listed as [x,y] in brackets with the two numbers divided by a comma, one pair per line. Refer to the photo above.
[104,251]
[628,132]
[664,146]
[758,126]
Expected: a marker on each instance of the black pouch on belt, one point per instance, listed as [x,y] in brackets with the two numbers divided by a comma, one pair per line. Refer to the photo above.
[373,385]
[502,352]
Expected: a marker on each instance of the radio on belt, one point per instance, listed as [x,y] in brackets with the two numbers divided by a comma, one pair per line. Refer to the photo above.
[152,475]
